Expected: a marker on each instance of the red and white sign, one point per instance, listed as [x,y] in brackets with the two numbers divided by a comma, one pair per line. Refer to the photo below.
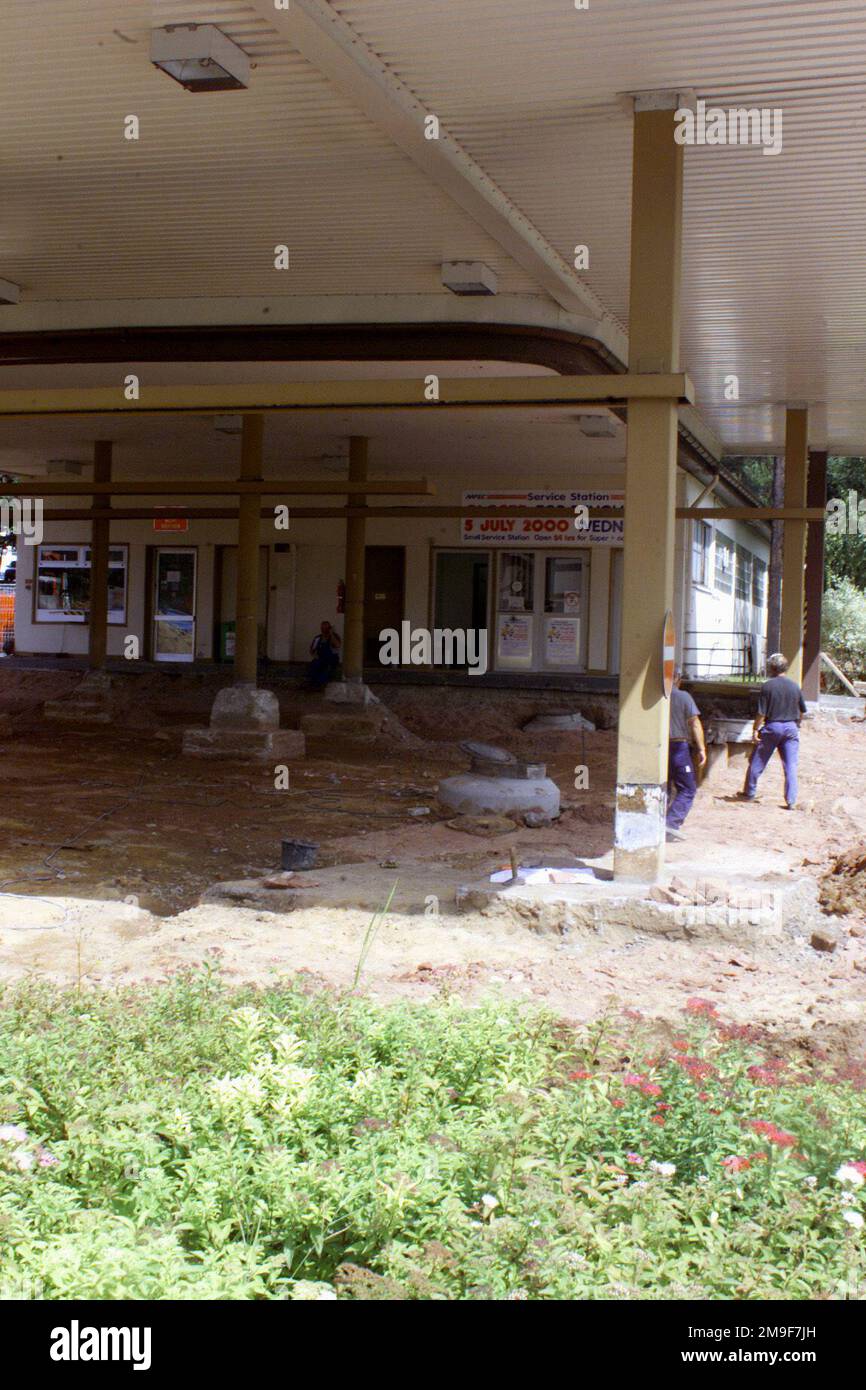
[171,523]
[669,654]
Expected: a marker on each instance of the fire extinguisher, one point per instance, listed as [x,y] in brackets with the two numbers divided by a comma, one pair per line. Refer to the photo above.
[341,597]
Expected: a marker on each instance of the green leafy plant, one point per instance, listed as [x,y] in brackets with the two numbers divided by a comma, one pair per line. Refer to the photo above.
[844,627]
[195,1142]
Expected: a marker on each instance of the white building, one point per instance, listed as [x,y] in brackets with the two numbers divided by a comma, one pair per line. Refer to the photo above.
[546,589]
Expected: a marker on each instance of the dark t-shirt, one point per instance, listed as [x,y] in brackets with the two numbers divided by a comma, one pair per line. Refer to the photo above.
[683,710]
[781,701]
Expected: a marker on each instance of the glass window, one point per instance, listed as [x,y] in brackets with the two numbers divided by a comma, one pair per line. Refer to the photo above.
[63,583]
[724,564]
[562,580]
[744,574]
[759,583]
[516,578]
[702,544]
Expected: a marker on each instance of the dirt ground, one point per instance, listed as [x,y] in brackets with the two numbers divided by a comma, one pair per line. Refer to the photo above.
[109,839]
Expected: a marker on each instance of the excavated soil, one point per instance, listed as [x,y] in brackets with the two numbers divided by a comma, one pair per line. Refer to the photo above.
[92,818]
[843,888]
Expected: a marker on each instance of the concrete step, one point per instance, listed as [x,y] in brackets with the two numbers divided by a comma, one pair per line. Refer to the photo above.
[349,728]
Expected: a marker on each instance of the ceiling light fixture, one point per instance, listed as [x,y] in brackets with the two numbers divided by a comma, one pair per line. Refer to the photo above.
[596,426]
[468,277]
[200,57]
[64,468]
[228,424]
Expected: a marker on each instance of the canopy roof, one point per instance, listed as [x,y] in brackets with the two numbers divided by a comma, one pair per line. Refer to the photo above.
[325,153]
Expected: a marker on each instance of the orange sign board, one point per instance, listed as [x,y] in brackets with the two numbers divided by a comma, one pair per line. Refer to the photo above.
[170,523]
[669,653]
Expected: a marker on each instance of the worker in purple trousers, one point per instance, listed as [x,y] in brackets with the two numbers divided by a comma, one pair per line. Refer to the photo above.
[777,726]
[686,729]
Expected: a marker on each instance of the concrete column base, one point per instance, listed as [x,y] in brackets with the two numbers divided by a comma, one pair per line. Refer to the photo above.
[717,762]
[470,794]
[88,703]
[639,832]
[350,693]
[245,727]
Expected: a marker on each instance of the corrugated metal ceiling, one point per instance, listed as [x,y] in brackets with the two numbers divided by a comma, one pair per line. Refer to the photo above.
[775,270]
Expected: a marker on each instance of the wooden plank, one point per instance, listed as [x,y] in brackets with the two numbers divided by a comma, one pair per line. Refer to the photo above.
[840,675]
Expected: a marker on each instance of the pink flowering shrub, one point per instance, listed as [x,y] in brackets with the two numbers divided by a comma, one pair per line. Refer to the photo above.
[189,1140]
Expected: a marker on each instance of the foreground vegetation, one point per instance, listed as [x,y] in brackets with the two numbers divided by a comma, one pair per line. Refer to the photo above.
[190,1141]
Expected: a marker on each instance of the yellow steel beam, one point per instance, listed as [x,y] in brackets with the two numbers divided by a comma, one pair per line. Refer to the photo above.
[650,489]
[450,392]
[807,514]
[218,487]
[752,513]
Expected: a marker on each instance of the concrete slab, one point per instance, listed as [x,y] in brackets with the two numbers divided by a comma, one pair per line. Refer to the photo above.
[245,745]
[89,703]
[353,725]
[354,693]
[738,910]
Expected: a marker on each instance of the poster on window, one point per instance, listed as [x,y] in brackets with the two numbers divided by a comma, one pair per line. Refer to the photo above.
[561,641]
[514,635]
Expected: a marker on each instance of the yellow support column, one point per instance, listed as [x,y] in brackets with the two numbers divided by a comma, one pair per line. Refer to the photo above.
[356,536]
[99,543]
[794,541]
[249,516]
[650,501]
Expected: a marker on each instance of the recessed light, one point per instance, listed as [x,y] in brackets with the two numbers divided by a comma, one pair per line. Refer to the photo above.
[200,57]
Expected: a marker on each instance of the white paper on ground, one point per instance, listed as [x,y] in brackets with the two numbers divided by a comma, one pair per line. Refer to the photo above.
[578,874]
